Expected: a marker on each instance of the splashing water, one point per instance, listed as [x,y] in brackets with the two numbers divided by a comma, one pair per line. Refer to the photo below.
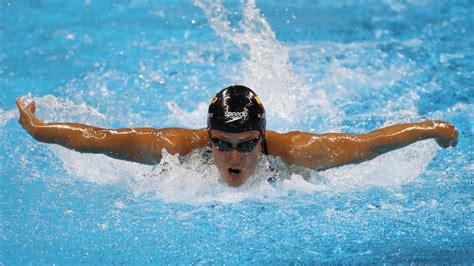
[195,180]
[266,67]
[284,94]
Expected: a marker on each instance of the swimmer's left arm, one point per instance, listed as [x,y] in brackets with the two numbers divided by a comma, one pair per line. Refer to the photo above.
[335,149]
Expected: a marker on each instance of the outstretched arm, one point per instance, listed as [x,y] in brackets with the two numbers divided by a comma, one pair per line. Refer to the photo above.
[334,149]
[141,145]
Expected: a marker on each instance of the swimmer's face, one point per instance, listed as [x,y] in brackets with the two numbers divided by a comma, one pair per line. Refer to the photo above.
[235,166]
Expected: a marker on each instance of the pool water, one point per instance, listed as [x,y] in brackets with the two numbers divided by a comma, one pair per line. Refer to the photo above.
[325,66]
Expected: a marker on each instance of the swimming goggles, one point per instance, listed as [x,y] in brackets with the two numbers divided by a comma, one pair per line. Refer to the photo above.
[246,146]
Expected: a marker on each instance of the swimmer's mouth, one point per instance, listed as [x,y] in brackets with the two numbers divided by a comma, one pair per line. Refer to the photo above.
[234,171]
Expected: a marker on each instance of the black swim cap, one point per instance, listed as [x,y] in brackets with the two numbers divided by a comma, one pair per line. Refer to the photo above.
[236,109]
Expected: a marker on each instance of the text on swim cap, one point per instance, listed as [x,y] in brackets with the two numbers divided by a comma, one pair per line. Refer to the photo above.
[234,116]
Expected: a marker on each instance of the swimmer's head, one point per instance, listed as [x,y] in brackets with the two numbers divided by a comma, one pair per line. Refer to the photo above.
[236,126]
[236,109]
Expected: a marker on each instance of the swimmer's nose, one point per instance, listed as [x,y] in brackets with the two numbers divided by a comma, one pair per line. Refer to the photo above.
[234,155]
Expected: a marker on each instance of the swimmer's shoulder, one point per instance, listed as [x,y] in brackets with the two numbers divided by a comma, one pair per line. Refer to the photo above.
[277,144]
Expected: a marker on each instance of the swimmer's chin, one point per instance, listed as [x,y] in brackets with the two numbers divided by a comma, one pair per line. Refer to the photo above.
[233,183]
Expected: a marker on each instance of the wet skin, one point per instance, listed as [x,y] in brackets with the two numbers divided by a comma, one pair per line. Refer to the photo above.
[236,167]
[314,151]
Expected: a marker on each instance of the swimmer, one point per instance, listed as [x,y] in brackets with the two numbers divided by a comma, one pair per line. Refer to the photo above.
[237,134]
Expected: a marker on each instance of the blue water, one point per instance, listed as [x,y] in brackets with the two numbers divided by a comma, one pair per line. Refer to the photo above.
[345,66]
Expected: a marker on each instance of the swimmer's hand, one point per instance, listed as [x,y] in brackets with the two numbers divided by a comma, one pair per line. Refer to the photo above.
[28,119]
[446,134]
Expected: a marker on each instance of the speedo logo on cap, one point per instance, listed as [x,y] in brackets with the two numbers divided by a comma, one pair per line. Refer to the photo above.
[234,116]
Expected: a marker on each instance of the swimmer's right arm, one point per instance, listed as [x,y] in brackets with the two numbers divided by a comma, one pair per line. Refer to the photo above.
[142,145]
[324,151]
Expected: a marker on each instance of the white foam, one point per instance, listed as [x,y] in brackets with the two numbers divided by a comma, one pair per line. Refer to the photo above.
[99,168]
[50,108]
[193,119]
[389,170]
[192,180]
